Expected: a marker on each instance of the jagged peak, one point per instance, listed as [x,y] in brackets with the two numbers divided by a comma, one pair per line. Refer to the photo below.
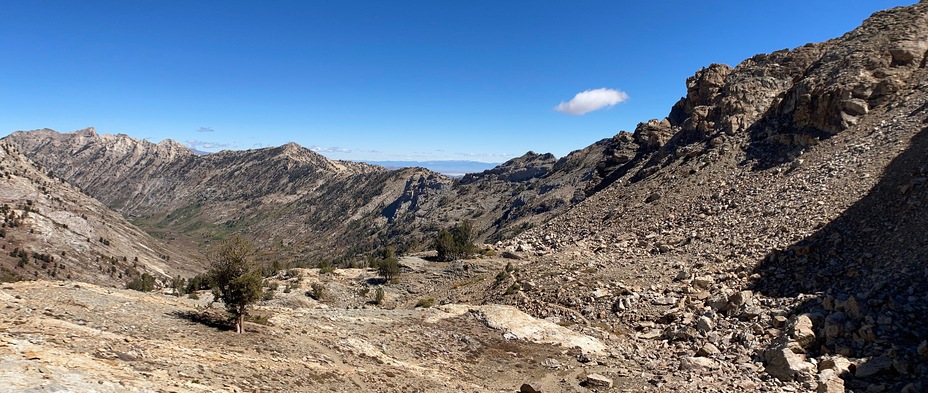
[529,157]
[172,144]
[88,132]
[294,151]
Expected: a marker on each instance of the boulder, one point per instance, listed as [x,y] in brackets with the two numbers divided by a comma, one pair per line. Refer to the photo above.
[533,387]
[786,365]
[708,350]
[829,382]
[874,366]
[695,363]
[598,380]
[704,324]
[802,331]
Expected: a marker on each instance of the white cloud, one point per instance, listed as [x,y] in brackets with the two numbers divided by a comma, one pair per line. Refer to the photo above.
[333,149]
[591,100]
[205,129]
[203,145]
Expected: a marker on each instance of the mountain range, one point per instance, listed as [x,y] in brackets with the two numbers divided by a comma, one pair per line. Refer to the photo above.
[766,235]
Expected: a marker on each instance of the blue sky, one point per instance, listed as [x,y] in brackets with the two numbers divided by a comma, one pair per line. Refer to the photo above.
[380,80]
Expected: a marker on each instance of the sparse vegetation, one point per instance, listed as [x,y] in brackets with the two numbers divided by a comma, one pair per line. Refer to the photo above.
[379,295]
[425,302]
[143,283]
[389,265]
[326,267]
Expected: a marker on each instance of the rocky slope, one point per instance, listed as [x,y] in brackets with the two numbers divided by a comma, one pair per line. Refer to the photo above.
[50,230]
[770,227]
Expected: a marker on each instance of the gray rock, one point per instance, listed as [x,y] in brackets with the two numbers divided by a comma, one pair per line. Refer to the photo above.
[704,324]
[874,366]
[534,387]
[708,350]
[598,380]
[741,298]
[829,382]
[802,331]
[786,365]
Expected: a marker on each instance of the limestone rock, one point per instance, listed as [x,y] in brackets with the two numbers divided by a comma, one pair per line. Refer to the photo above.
[695,363]
[802,331]
[704,324]
[829,382]
[708,350]
[786,365]
[598,380]
[840,365]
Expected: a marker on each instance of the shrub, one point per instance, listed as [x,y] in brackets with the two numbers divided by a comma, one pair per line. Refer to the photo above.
[389,269]
[379,295]
[326,267]
[259,319]
[144,283]
[456,243]
[425,302]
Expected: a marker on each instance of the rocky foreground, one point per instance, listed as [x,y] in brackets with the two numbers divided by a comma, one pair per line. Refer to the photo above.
[68,336]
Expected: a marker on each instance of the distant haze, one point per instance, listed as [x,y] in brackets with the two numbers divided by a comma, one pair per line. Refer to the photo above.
[453,168]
